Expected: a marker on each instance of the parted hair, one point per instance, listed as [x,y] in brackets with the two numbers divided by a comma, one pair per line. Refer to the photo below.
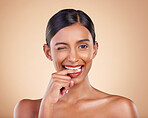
[67,17]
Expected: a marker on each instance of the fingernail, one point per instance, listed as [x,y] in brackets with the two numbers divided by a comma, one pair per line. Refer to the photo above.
[72,83]
[67,91]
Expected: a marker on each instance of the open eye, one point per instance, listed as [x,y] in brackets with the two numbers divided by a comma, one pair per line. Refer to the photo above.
[83,46]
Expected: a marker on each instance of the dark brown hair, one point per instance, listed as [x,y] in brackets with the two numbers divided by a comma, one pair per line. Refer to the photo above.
[67,17]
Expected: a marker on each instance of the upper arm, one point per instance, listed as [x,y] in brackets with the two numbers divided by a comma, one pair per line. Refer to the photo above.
[23,109]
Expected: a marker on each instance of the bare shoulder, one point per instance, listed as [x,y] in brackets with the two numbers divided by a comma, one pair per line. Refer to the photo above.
[116,106]
[27,108]
[122,107]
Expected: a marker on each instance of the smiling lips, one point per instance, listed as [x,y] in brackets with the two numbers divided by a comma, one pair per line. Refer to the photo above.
[78,68]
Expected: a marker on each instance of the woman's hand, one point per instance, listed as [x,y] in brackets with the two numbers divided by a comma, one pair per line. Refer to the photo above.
[59,85]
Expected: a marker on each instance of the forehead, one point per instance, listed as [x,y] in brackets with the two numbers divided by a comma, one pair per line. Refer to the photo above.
[72,33]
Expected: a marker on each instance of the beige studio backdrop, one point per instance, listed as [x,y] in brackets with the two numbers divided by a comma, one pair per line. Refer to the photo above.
[120,67]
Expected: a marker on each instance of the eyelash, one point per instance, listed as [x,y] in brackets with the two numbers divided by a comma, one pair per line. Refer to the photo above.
[83,46]
[60,48]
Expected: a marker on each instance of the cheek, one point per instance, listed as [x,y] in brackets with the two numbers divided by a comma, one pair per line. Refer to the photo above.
[87,55]
[58,58]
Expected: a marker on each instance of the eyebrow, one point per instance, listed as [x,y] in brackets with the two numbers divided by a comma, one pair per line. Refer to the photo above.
[83,40]
[61,43]
[77,42]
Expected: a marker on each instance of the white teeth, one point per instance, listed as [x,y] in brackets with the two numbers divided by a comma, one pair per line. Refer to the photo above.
[79,68]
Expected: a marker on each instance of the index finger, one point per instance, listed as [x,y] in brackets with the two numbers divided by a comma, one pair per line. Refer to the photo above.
[67,71]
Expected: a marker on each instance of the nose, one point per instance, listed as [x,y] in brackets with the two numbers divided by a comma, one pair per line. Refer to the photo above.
[73,56]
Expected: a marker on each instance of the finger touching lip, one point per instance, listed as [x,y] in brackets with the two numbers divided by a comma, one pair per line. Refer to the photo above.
[67,71]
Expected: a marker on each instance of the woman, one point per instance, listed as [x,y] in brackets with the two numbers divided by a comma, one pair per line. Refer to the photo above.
[72,47]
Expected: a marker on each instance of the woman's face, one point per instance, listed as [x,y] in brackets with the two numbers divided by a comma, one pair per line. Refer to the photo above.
[72,48]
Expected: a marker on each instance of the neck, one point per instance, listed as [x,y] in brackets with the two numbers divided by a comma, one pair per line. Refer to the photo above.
[78,91]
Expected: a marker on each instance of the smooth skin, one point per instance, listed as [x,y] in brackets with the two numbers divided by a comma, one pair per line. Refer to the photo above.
[74,97]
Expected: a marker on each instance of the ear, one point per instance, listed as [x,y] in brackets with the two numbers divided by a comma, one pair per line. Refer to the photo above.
[95,49]
[47,51]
